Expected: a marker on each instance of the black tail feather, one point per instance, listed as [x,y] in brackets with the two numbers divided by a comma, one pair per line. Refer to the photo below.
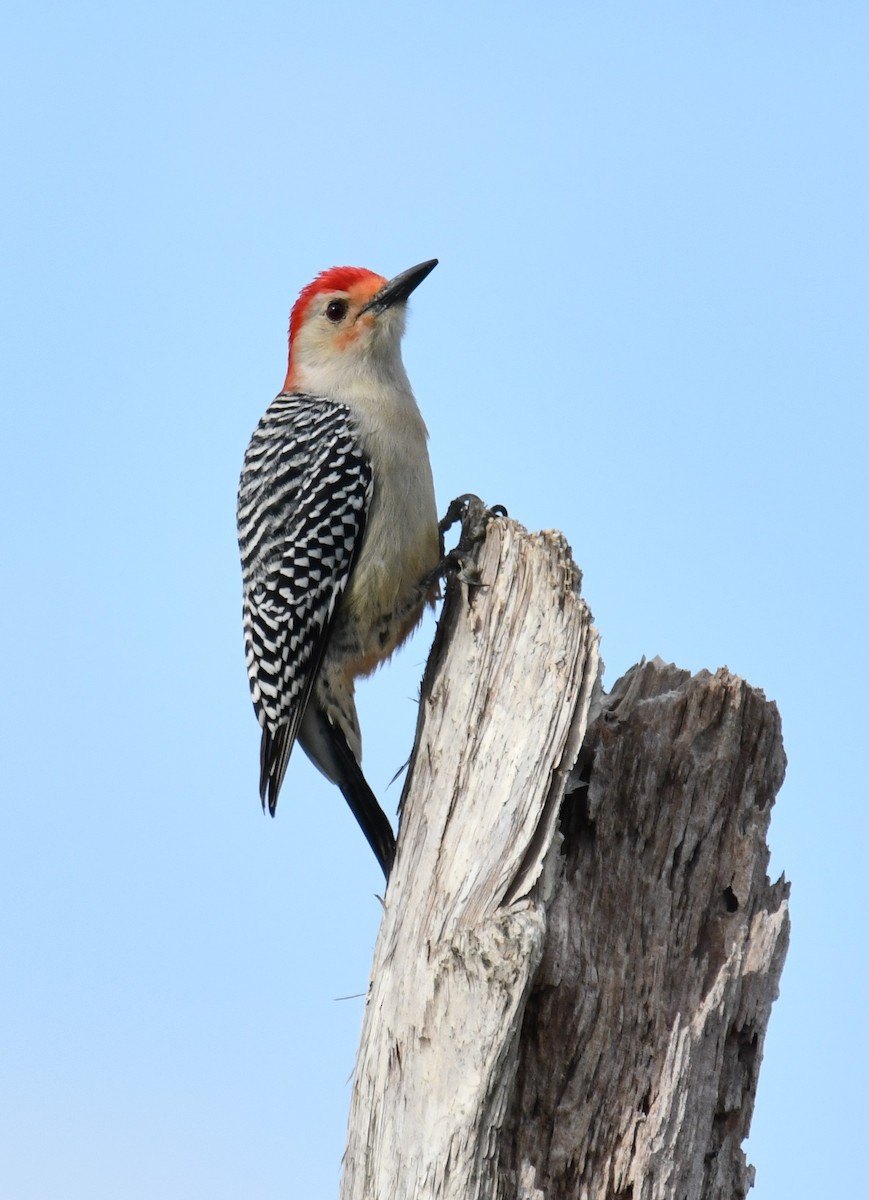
[274,755]
[326,745]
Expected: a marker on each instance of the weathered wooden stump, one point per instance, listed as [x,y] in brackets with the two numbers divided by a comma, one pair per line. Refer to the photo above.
[580,947]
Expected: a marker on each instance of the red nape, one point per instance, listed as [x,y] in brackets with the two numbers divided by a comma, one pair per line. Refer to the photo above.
[336,279]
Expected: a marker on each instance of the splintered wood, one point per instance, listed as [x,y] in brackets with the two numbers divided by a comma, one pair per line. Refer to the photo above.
[579,950]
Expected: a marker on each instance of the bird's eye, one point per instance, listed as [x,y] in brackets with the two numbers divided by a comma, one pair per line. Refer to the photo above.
[336,310]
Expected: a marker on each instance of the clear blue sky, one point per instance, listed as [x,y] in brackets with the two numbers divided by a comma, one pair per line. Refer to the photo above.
[648,328]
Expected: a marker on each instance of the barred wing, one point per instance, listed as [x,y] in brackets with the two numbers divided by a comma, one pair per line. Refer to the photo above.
[302,502]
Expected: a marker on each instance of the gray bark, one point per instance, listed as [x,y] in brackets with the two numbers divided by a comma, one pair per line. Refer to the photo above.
[580,947]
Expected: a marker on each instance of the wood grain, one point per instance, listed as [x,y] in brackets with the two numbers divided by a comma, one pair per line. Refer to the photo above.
[580,947]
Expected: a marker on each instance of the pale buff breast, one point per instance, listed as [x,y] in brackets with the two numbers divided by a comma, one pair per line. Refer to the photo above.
[401,547]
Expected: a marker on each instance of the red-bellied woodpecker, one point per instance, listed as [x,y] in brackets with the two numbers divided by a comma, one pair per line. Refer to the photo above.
[338,530]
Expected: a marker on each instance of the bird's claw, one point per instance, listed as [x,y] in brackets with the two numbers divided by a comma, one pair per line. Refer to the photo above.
[455,512]
[470,510]
[465,569]
[474,516]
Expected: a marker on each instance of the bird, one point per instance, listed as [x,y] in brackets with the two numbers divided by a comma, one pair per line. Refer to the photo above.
[337,531]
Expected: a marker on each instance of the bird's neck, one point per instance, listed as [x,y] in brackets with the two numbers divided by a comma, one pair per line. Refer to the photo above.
[357,381]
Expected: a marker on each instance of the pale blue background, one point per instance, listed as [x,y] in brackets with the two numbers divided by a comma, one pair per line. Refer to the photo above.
[648,329]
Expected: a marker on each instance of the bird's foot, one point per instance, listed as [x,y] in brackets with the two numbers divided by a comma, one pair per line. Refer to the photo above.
[456,562]
[474,516]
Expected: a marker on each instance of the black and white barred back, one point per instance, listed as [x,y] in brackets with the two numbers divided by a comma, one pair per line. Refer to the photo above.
[303,499]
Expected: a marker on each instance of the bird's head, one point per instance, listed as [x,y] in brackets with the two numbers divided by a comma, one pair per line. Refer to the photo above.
[346,327]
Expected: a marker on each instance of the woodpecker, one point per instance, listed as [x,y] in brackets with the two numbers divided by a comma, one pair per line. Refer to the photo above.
[337,529]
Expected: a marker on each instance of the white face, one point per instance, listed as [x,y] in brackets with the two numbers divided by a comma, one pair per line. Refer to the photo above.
[341,344]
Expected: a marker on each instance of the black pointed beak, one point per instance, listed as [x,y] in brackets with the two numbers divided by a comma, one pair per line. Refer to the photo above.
[399,288]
